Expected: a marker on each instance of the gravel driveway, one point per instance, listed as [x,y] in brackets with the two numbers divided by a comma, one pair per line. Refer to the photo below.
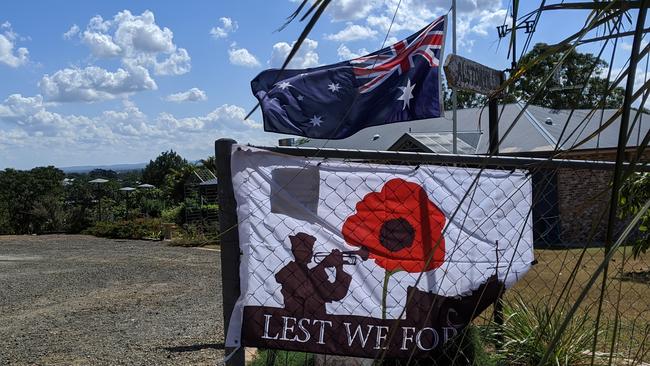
[79,300]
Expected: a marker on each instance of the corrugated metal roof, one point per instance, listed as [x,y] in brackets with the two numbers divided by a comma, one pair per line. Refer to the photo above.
[443,142]
[530,133]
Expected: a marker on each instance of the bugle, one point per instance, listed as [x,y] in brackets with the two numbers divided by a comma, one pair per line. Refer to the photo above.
[349,257]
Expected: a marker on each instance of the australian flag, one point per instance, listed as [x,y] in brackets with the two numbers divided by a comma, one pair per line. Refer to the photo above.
[397,83]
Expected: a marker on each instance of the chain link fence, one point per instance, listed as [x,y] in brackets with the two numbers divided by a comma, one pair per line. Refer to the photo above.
[485,235]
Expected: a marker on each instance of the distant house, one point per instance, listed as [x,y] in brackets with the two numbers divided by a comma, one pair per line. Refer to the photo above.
[568,203]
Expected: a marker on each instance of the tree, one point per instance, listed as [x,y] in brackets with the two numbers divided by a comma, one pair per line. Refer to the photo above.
[175,183]
[564,91]
[210,163]
[80,201]
[156,171]
[102,173]
[464,100]
[32,200]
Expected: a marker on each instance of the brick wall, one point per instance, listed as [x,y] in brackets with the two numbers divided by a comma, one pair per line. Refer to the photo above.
[583,195]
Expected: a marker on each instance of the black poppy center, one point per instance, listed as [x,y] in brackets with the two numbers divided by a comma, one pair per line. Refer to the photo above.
[396,234]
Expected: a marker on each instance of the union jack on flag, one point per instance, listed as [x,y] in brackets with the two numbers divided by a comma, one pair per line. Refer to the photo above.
[397,83]
[399,57]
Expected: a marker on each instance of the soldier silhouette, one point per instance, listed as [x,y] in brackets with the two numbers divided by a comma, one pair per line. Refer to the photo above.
[307,290]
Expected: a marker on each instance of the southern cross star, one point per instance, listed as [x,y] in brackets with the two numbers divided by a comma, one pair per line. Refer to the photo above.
[283,85]
[407,93]
[334,87]
[300,98]
[316,121]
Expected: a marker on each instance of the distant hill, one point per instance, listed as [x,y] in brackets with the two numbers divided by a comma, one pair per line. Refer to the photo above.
[115,167]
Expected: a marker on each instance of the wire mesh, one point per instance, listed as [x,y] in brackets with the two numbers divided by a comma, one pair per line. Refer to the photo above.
[567,216]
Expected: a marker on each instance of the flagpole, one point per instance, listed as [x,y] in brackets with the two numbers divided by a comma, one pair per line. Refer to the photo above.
[454,99]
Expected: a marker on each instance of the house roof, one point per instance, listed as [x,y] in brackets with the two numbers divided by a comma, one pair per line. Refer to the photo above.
[538,129]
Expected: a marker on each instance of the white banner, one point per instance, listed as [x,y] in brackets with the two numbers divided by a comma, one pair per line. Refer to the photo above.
[357,258]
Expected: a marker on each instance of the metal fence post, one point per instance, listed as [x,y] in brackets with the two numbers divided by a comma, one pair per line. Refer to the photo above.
[229,240]
[493,121]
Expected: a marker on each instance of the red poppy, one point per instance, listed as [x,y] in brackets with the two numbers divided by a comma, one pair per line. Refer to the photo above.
[400,227]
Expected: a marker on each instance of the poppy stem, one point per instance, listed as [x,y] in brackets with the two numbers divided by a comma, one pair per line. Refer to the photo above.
[384,293]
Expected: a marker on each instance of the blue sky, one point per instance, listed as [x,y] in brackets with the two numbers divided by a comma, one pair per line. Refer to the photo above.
[98,82]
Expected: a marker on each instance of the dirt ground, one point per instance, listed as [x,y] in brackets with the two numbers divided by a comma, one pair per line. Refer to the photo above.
[81,300]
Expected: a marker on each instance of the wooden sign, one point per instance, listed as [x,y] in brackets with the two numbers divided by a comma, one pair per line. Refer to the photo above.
[468,75]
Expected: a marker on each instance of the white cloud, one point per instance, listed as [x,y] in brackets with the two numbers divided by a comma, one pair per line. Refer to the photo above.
[351,9]
[30,115]
[73,31]
[8,56]
[28,121]
[100,44]
[241,57]
[475,17]
[137,39]
[192,95]
[93,83]
[344,53]
[38,135]
[222,31]
[306,56]
[351,33]
[12,138]
[98,24]
[390,41]
[478,23]
[140,33]
[177,63]
[226,117]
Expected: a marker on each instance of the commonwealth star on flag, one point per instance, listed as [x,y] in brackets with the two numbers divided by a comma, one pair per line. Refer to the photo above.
[397,83]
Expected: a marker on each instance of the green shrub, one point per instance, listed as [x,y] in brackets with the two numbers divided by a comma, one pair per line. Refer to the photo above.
[132,229]
[265,357]
[195,236]
[152,207]
[529,329]
[174,214]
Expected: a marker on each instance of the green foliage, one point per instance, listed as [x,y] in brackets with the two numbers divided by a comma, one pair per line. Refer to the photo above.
[79,198]
[563,92]
[175,182]
[5,223]
[573,74]
[151,206]
[210,163]
[467,348]
[174,214]
[131,229]
[48,214]
[529,328]
[40,200]
[635,192]
[157,170]
[282,358]
[32,200]
[102,173]
[465,99]
[196,236]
